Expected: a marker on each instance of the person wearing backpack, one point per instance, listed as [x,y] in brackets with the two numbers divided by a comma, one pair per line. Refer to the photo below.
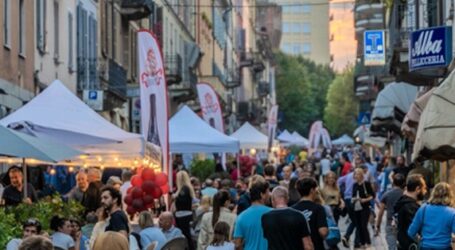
[388,201]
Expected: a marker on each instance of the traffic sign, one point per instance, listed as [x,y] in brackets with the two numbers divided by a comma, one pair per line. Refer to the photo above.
[364,118]
[374,47]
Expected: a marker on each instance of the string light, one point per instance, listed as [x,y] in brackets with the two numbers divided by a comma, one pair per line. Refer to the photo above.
[52,172]
[100,159]
[71,169]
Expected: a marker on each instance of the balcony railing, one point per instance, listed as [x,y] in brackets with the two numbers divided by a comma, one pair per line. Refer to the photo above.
[263,88]
[173,68]
[136,9]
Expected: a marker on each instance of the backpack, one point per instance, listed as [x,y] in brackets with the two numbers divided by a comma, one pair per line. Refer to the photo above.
[334,235]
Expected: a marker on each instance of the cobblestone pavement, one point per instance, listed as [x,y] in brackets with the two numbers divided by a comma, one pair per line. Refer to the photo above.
[378,243]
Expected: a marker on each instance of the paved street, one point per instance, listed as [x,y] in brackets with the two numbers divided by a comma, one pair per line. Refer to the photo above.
[378,243]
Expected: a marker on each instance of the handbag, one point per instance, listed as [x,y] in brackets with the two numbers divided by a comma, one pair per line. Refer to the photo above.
[334,235]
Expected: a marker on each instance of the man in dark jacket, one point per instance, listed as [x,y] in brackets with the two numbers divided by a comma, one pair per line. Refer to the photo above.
[91,199]
[406,207]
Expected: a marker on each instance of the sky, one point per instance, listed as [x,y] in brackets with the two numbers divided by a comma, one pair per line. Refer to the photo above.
[343,46]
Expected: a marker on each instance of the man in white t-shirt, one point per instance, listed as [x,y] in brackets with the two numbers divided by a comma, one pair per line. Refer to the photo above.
[30,227]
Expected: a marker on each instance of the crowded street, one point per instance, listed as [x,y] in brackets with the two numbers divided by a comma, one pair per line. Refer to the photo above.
[227,125]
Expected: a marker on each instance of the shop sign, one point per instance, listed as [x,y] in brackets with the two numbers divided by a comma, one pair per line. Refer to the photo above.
[430,48]
[374,48]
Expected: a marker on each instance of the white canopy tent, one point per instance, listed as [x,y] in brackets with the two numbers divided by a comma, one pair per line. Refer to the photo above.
[343,140]
[299,140]
[190,134]
[285,136]
[249,137]
[57,114]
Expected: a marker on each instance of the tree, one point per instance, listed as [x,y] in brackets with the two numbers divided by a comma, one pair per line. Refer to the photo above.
[301,88]
[341,110]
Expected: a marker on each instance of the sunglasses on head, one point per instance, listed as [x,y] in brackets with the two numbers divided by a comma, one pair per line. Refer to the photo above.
[32,222]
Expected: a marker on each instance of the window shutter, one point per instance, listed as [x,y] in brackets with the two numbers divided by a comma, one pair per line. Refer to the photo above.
[70,42]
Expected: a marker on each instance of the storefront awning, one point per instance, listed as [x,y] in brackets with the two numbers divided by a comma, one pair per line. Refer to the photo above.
[391,106]
[412,118]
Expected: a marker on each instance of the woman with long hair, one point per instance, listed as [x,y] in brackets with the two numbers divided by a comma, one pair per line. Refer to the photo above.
[183,202]
[362,194]
[332,195]
[435,221]
[112,241]
[220,212]
[221,237]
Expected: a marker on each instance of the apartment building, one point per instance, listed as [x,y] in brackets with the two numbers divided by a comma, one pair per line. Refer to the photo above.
[305,27]
[17,53]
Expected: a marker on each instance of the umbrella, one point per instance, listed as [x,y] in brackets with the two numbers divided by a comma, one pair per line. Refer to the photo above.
[16,144]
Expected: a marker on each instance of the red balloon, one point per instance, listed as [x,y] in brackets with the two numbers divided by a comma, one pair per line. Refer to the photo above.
[148,199]
[157,192]
[129,190]
[138,204]
[165,188]
[128,199]
[139,170]
[148,174]
[151,205]
[130,210]
[148,186]
[136,181]
[161,179]
[137,193]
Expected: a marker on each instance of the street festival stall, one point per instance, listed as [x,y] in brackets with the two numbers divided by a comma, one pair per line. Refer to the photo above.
[343,140]
[58,115]
[190,134]
[250,138]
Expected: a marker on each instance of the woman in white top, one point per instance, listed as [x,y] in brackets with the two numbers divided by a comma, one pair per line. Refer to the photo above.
[221,201]
[62,234]
[221,237]
[100,226]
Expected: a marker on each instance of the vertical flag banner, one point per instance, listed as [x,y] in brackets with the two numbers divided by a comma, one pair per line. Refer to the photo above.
[153,90]
[271,122]
[315,136]
[210,106]
[327,142]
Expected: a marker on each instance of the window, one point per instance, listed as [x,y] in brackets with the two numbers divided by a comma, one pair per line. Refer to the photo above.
[56,32]
[6,22]
[40,25]
[70,42]
[306,8]
[295,48]
[21,28]
[306,48]
[295,28]
[286,27]
[86,49]
[306,28]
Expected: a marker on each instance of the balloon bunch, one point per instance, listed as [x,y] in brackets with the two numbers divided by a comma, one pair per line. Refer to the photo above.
[246,163]
[146,187]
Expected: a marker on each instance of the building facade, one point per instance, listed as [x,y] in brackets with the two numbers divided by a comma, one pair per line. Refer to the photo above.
[17,54]
[305,28]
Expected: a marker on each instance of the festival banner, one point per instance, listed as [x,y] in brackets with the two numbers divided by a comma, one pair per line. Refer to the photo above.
[326,140]
[272,122]
[210,106]
[153,93]
[315,136]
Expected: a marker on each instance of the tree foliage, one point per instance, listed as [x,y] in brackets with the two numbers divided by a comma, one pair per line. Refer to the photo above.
[341,110]
[301,89]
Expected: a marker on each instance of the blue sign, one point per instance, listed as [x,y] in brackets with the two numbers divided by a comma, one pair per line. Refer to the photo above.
[364,118]
[430,48]
[93,95]
[374,47]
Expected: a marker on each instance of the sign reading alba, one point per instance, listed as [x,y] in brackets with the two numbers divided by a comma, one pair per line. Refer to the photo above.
[153,90]
[430,48]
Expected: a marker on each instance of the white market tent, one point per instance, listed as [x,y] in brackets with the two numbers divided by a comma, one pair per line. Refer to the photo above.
[343,140]
[285,136]
[190,134]
[57,114]
[249,137]
[299,140]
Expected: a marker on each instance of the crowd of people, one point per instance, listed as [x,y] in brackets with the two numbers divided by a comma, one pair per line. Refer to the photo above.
[297,203]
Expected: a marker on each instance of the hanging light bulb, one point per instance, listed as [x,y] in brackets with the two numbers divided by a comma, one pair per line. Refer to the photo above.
[100,158]
[85,165]
[136,162]
[52,172]
[102,167]
[71,169]
[116,159]
[10,161]
[253,151]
